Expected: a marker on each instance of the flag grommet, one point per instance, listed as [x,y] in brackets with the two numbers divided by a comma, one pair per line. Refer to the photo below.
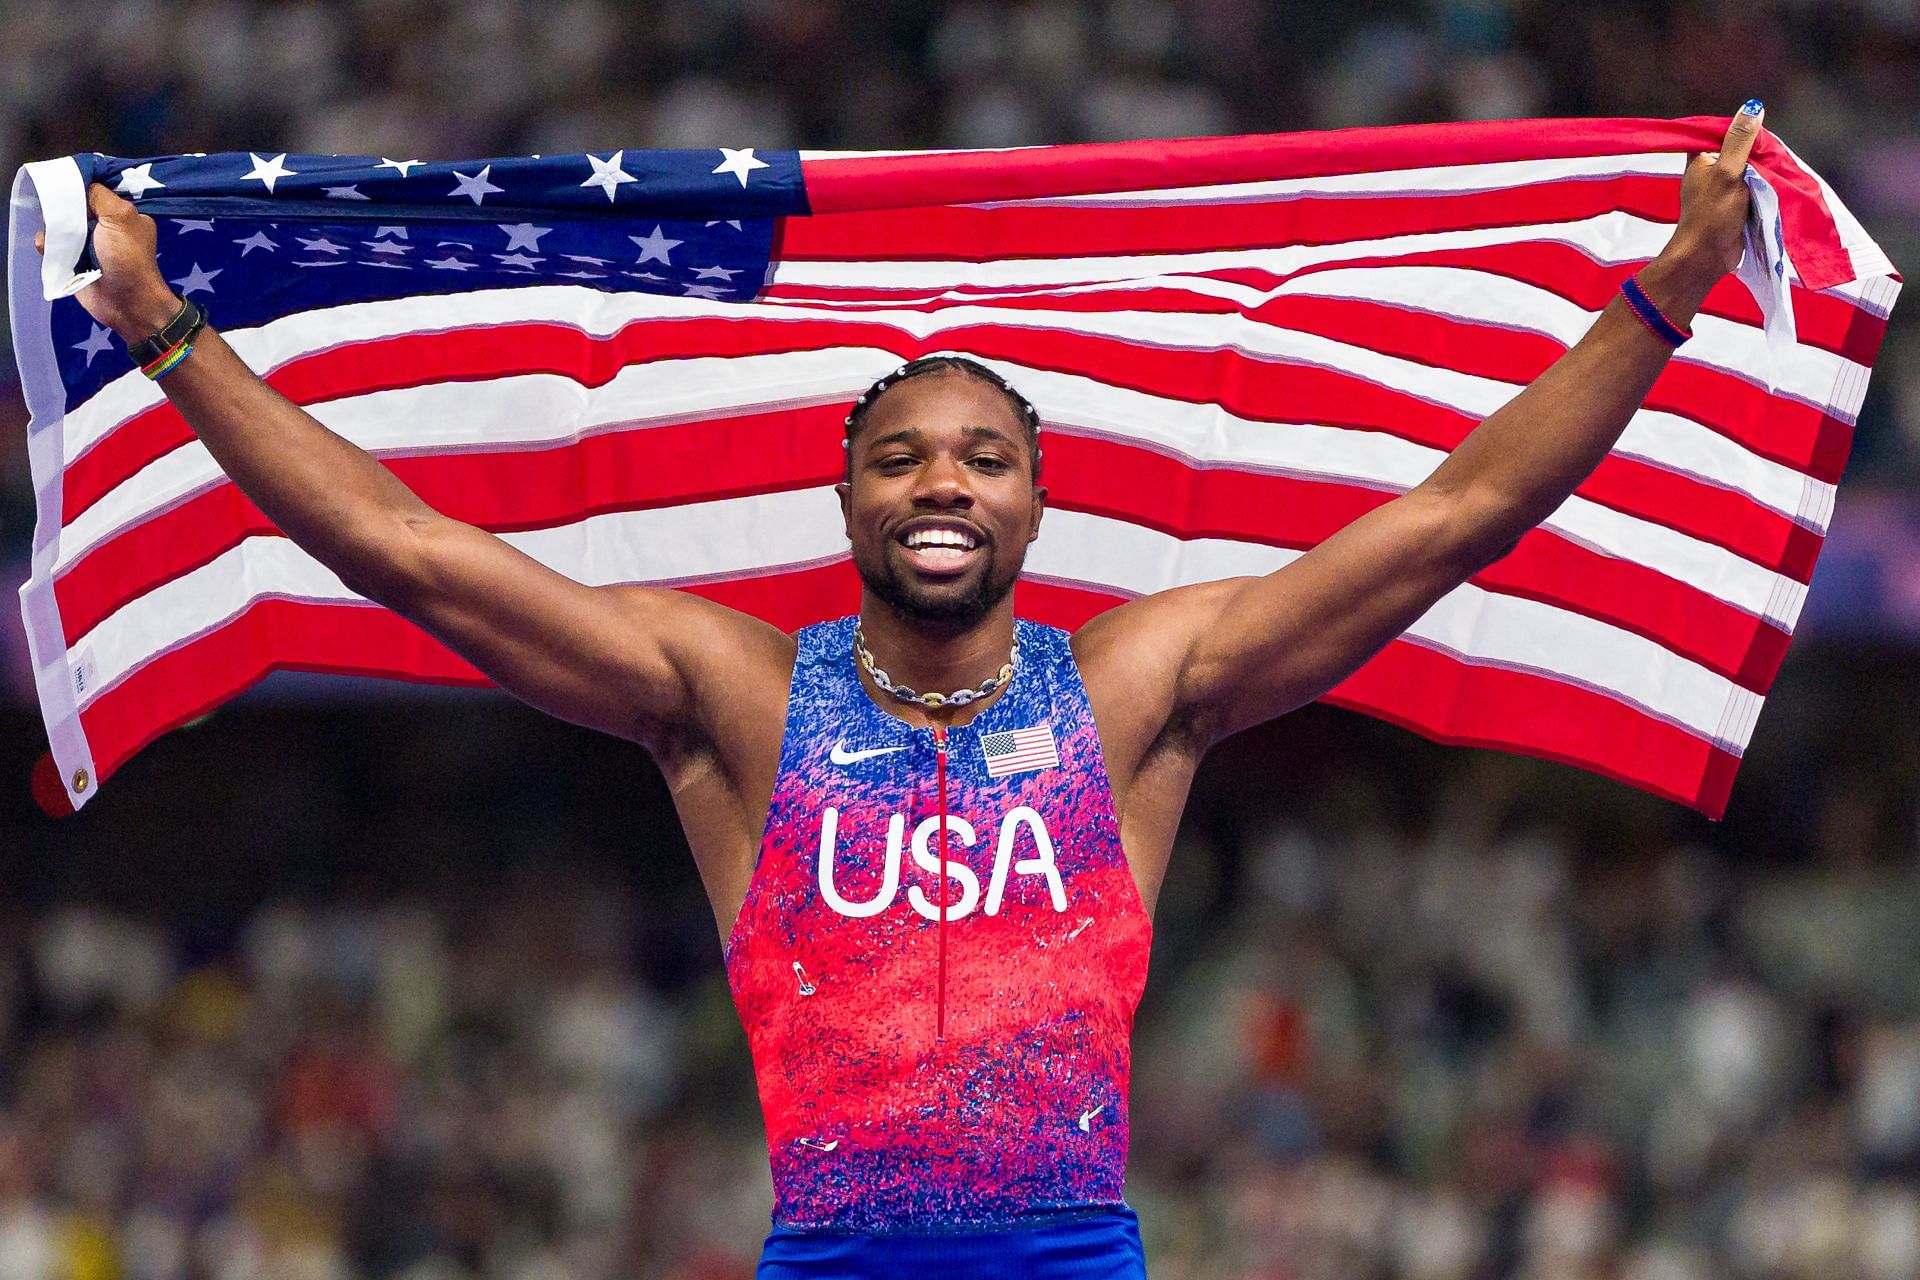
[80,779]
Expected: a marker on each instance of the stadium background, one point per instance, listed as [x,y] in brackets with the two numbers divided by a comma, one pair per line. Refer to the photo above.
[356,981]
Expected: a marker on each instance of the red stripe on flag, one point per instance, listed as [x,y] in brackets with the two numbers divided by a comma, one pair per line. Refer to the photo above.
[1151,489]
[1450,701]
[501,491]
[769,452]
[1255,389]
[1824,321]
[1410,685]
[972,234]
[1481,706]
[295,635]
[892,182]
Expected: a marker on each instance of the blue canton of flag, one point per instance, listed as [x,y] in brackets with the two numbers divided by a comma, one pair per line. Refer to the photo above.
[1019,751]
[253,237]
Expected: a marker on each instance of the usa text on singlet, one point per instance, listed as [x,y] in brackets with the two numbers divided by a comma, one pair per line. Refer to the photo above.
[876,1121]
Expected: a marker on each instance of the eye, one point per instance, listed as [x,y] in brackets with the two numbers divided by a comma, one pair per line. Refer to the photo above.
[990,462]
[896,462]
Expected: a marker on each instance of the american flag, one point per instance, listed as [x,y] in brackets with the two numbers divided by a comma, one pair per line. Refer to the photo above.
[634,366]
[1019,751]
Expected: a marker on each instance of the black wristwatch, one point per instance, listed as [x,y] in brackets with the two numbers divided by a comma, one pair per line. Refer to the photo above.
[186,323]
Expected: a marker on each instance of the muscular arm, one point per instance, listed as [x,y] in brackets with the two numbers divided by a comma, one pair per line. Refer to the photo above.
[625,660]
[1226,655]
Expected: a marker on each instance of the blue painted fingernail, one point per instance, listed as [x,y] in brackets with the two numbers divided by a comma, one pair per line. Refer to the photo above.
[1752,107]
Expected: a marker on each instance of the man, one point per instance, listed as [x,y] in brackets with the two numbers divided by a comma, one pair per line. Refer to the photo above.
[942,1047]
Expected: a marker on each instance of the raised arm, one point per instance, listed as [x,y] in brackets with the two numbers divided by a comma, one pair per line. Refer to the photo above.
[626,660]
[1231,654]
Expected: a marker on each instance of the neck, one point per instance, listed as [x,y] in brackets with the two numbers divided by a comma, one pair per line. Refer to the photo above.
[932,655]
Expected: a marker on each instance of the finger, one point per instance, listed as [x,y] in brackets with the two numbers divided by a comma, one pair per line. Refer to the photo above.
[40,242]
[1742,133]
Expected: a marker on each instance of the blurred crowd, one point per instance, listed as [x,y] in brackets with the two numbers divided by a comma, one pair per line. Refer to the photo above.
[448,1006]
[448,79]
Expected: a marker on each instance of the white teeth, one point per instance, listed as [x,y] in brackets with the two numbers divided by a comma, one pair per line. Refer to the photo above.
[921,539]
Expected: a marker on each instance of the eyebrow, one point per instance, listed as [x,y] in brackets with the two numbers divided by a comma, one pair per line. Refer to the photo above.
[907,435]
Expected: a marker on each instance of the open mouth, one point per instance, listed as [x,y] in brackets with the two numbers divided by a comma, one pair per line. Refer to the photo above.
[941,550]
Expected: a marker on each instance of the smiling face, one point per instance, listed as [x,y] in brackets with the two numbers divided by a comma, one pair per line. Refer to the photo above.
[941,500]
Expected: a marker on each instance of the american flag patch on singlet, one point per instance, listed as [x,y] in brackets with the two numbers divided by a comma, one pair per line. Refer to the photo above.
[1019,751]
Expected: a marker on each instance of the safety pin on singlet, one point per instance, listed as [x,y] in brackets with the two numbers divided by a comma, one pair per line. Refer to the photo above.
[806,988]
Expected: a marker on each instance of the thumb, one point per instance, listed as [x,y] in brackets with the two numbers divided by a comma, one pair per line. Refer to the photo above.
[40,242]
[107,206]
[1742,132]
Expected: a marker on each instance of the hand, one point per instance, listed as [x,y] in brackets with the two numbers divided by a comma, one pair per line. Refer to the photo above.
[1713,212]
[130,297]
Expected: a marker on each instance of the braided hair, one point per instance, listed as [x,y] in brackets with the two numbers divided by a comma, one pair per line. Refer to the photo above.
[1029,416]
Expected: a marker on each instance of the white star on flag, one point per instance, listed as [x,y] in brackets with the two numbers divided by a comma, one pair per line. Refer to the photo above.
[401,165]
[520,260]
[185,225]
[387,246]
[607,174]
[97,341]
[475,185]
[322,245]
[198,278]
[138,180]
[705,291]
[730,222]
[258,240]
[739,162]
[398,233]
[655,247]
[348,192]
[524,235]
[586,257]
[268,171]
[647,275]
[384,265]
[450,263]
[716,273]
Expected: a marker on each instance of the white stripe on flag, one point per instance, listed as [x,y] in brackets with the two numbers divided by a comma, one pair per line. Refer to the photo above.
[544,409]
[770,531]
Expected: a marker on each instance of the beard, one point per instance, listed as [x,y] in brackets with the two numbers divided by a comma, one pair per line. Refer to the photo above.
[951,605]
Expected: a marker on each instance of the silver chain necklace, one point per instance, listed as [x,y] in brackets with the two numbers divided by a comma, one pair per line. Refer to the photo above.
[900,691]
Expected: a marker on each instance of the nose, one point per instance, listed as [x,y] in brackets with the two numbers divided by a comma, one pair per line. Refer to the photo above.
[943,484]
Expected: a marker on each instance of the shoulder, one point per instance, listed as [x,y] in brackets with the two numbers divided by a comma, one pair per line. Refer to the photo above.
[1153,632]
[1131,658]
[732,665]
[699,627]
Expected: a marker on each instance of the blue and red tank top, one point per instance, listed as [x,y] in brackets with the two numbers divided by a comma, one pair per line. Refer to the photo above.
[926,1070]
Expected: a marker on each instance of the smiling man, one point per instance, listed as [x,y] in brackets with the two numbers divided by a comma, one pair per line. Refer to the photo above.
[933,834]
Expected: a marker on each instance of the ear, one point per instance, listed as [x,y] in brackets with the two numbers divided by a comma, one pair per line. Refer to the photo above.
[844,491]
[1039,509]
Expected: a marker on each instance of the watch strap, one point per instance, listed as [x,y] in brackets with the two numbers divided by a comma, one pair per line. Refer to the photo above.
[185,324]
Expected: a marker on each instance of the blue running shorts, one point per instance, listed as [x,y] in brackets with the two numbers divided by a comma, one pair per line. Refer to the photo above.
[1098,1246]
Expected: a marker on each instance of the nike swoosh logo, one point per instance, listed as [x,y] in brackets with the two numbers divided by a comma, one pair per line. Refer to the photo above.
[841,756]
[819,1146]
[1086,1118]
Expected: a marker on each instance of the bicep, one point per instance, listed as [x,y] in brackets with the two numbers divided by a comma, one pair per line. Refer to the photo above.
[620,659]
[1272,643]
